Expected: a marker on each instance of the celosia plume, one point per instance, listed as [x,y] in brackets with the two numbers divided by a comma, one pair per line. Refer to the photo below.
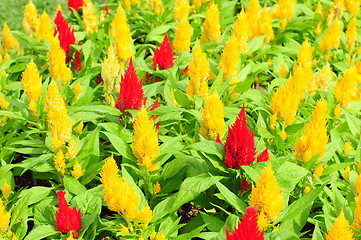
[198,72]
[340,229]
[65,34]
[156,6]
[264,156]
[252,14]
[90,20]
[229,60]
[67,219]
[331,40]
[163,56]
[240,145]
[110,72]
[211,27]
[314,137]
[183,34]
[75,4]
[322,78]
[241,31]
[120,195]
[212,121]
[145,144]
[267,198]
[181,10]
[32,84]
[247,229]
[77,170]
[30,21]
[9,40]
[58,68]
[346,88]
[285,10]
[131,91]
[265,25]
[353,6]
[45,30]
[351,34]
[4,218]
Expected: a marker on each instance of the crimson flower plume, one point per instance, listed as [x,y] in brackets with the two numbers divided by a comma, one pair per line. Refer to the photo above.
[264,156]
[131,91]
[65,34]
[163,55]
[75,4]
[240,145]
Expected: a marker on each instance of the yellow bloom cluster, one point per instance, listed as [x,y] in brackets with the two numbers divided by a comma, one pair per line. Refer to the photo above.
[211,27]
[265,25]
[181,9]
[212,121]
[120,196]
[120,31]
[58,69]
[229,60]
[351,34]
[183,34]
[340,229]
[285,10]
[77,170]
[45,30]
[331,40]
[252,13]
[30,21]
[32,85]
[4,218]
[198,72]
[9,40]
[322,78]
[110,72]
[346,88]
[353,6]
[59,122]
[241,31]
[198,3]
[314,137]
[89,18]
[156,6]
[145,144]
[267,198]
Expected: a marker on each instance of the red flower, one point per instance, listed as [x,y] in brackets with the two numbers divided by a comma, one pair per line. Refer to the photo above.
[76,4]
[131,91]
[163,56]
[240,145]
[65,34]
[247,228]
[106,9]
[67,219]
[264,156]
[244,186]
[99,80]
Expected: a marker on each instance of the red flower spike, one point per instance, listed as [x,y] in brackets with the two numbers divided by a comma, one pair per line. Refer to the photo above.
[106,9]
[99,80]
[75,4]
[264,156]
[163,56]
[185,71]
[240,145]
[65,34]
[131,91]
[77,61]
[247,228]
[244,186]
[67,219]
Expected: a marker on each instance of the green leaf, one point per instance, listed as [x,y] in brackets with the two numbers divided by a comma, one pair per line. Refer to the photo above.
[254,44]
[73,185]
[210,147]
[41,232]
[289,175]
[157,33]
[354,123]
[121,146]
[36,194]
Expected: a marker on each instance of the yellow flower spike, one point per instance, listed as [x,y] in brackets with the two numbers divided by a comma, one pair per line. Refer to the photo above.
[181,10]
[79,129]
[351,34]
[156,188]
[59,162]
[339,6]
[267,198]
[110,72]
[353,6]
[358,181]
[212,121]
[30,21]
[285,9]
[347,147]
[120,31]
[314,138]
[89,18]
[72,149]
[45,30]
[211,27]
[265,26]
[145,144]
[9,40]
[183,34]
[273,121]
[120,196]
[337,112]
[319,8]
[346,88]
[318,170]
[283,134]
[77,90]
[198,3]
[340,229]
[357,214]
[229,60]
[4,104]
[4,218]
[198,72]
[252,14]
[346,173]
[59,8]
[305,55]
[6,190]
[58,68]
[283,70]
[241,30]
[331,40]
[57,115]
[322,78]
[127,4]
[77,170]
[306,190]
[31,80]
[156,6]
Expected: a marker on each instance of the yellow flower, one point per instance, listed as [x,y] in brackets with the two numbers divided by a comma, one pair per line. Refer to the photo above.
[58,68]
[30,21]
[9,40]
[198,72]
[314,138]
[6,190]
[337,112]
[241,31]
[31,80]
[77,170]
[318,170]
[252,13]
[156,188]
[331,40]
[59,122]
[110,72]
[305,54]
[4,104]
[340,229]
[181,9]
[211,27]
[120,31]
[351,34]
[198,3]
[4,218]
[319,8]
[267,198]
[212,121]
[59,162]
[322,79]
[183,34]
[120,196]
[229,60]
[89,18]
[45,30]
[357,214]
[77,90]
[339,6]
[145,144]
[79,129]
[265,25]
[283,70]
[156,6]
[72,149]
[285,10]
[283,134]
[347,147]
[157,236]
[346,88]
[353,6]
